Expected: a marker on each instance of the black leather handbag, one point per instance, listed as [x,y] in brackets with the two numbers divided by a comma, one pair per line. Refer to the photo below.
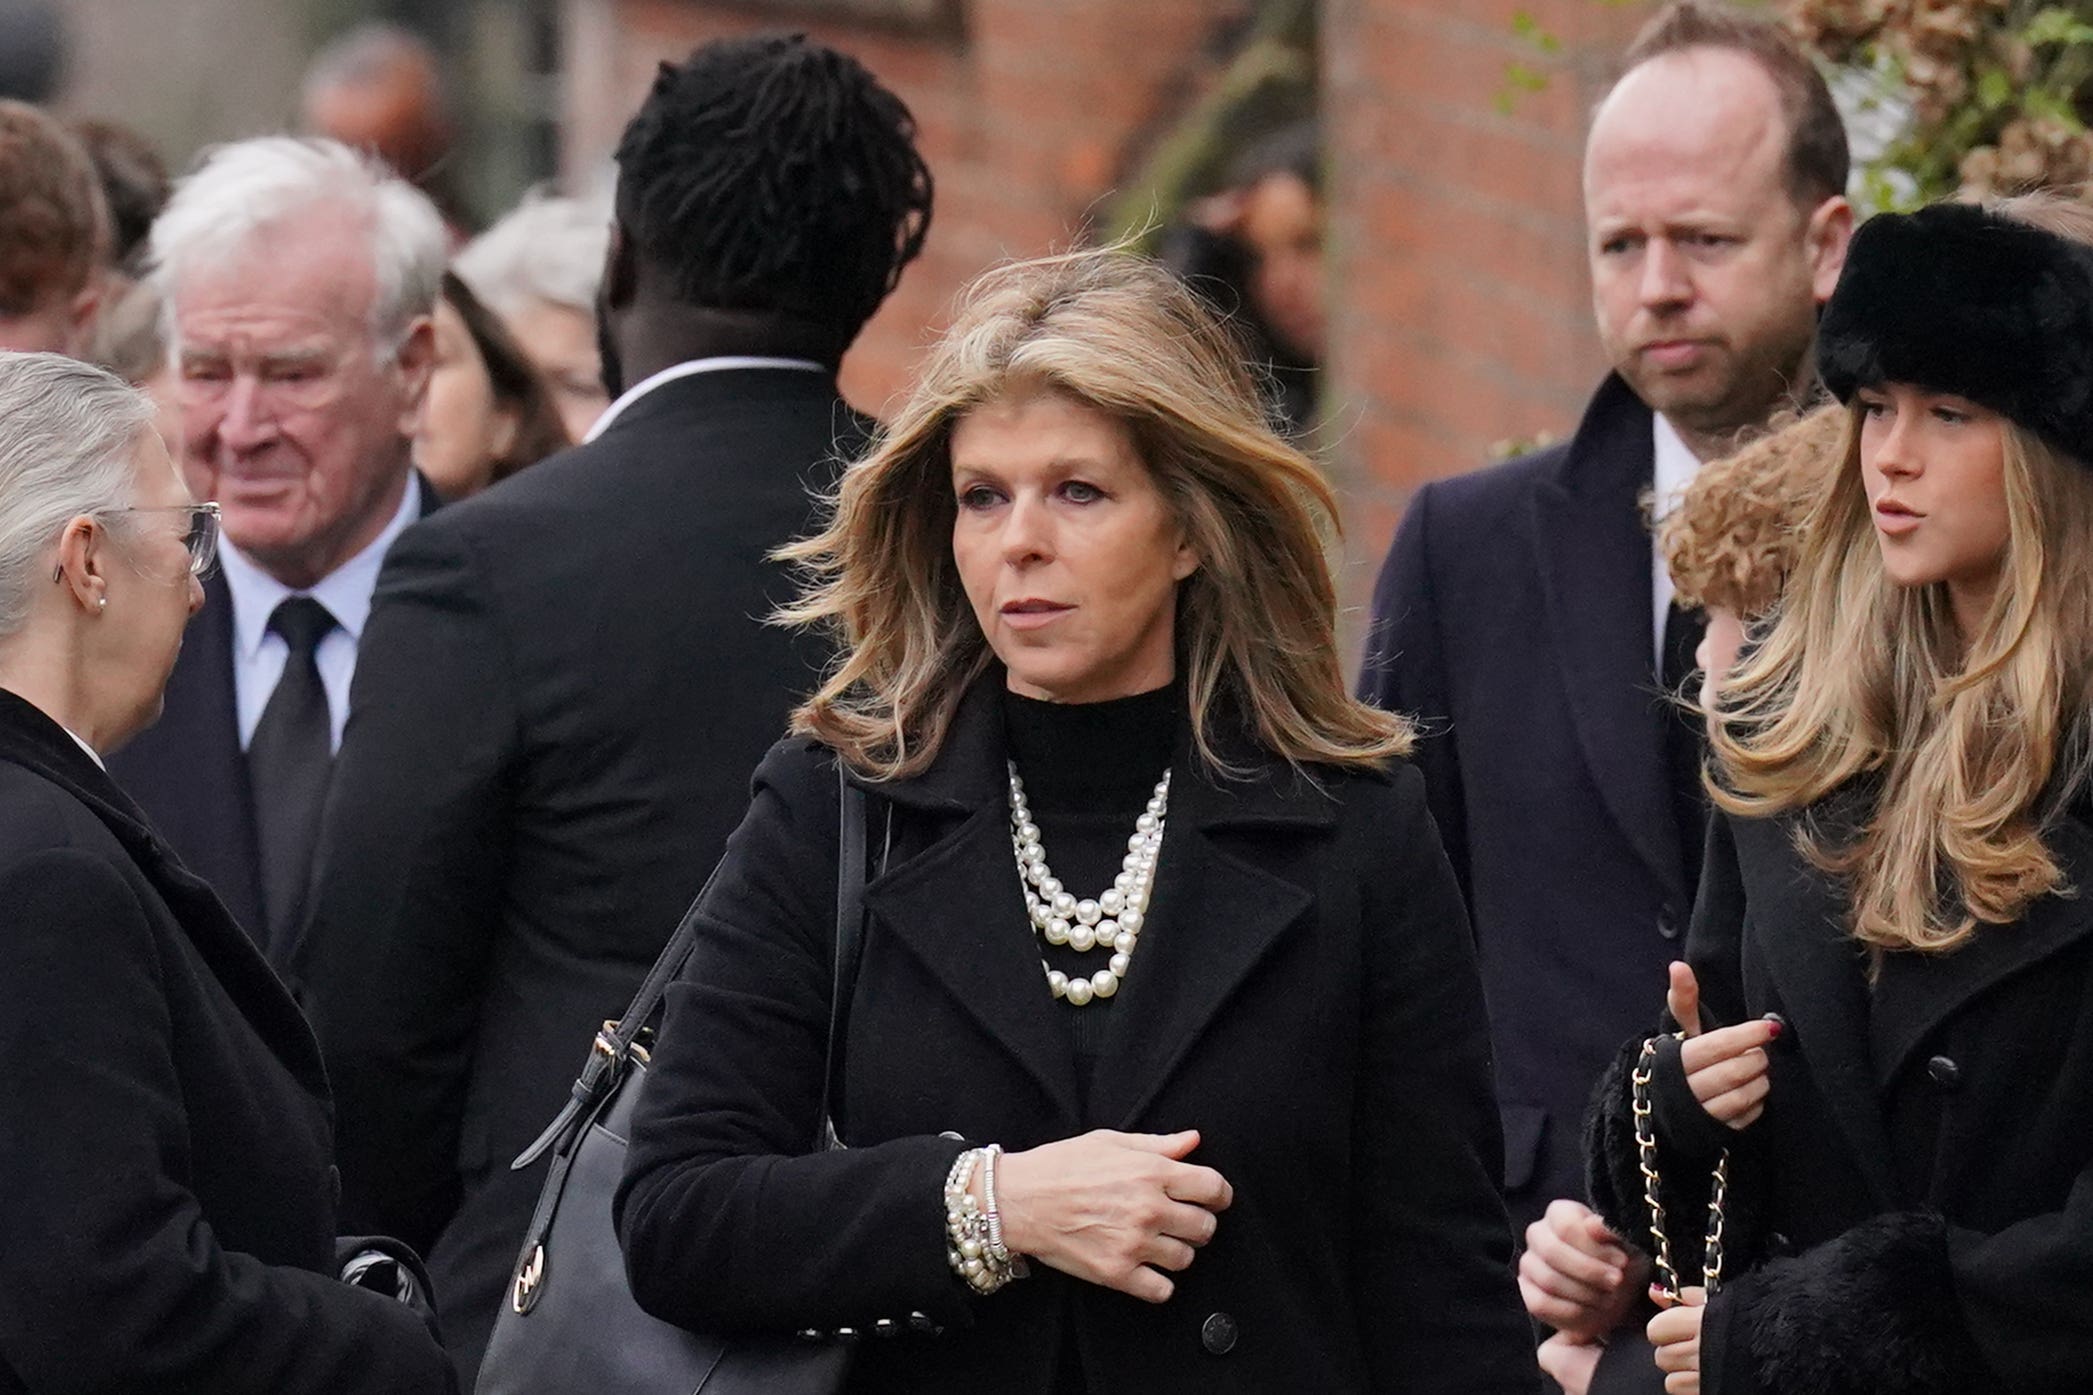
[570,1323]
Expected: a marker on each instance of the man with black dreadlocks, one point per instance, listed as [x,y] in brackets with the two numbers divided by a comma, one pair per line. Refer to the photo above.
[566,682]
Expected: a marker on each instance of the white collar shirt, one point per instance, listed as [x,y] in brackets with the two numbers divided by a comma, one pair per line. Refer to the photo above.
[259,654]
[78,740]
[1676,465]
[719,364]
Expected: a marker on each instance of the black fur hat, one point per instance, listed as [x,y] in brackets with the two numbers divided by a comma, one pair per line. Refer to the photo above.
[1960,300]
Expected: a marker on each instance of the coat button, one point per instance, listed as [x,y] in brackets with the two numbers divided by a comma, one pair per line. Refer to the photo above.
[1945,1072]
[1218,1333]
[1668,923]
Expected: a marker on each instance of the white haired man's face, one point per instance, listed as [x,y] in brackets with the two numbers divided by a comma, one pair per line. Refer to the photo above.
[293,418]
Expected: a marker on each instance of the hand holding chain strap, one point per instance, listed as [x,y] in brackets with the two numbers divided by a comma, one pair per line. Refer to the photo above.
[1646,1160]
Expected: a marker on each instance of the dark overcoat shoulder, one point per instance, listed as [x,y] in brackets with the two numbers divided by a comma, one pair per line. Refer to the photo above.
[1306,997]
[166,1180]
[1513,619]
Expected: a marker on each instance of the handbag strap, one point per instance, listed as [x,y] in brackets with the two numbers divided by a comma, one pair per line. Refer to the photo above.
[850,942]
[614,1040]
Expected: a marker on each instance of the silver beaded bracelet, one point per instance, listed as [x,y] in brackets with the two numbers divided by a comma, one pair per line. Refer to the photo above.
[974,1238]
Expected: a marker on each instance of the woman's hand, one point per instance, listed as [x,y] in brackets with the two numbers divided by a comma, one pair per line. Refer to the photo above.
[1576,1275]
[1111,1208]
[1569,1363]
[1676,1333]
[1727,1069]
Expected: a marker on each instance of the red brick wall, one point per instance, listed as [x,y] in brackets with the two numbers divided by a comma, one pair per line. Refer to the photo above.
[1460,303]
[1461,311]
[1027,122]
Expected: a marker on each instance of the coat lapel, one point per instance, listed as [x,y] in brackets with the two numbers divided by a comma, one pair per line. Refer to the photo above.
[187,769]
[1821,975]
[34,741]
[1595,558]
[1919,992]
[956,906]
[1215,919]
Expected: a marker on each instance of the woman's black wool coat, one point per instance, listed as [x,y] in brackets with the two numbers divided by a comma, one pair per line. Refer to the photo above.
[1913,1213]
[1306,997]
[166,1188]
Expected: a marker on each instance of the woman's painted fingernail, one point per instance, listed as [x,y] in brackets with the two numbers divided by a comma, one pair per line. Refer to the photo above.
[1775,1025]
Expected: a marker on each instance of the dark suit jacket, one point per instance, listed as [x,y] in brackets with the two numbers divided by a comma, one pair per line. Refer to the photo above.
[1305,996]
[187,770]
[564,687]
[1513,616]
[1913,1213]
[166,1198]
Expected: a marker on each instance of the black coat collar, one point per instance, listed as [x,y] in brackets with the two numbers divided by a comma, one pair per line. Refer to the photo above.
[969,772]
[1858,1041]
[957,906]
[1595,557]
[32,740]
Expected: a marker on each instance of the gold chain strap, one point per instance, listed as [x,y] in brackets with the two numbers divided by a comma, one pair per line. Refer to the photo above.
[1646,1160]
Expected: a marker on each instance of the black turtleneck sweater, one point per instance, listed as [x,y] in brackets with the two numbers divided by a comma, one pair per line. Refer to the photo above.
[1089,771]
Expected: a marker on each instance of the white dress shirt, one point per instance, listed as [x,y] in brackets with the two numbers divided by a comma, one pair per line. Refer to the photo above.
[719,364]
[92,753]
[259,653]
[1676,467]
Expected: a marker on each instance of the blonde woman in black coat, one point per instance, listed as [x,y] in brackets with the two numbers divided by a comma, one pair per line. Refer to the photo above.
[166,1188]
[1888,1015]
[1165,972]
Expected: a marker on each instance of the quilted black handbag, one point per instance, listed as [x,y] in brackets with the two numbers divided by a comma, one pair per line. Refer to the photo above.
[570,1323]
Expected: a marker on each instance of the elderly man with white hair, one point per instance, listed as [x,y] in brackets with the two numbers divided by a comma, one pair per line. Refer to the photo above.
[299,278]
[539,269]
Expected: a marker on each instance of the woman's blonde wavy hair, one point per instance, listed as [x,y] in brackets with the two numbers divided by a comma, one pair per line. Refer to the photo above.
[1255,624]
[1972,743]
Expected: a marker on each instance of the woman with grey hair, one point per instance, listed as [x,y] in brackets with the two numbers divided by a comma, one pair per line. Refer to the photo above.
[166,1188]
[538,269]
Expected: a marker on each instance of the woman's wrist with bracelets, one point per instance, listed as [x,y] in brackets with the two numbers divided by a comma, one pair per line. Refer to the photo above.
[974,1229]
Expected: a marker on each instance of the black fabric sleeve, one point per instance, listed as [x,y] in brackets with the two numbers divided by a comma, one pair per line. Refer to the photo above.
[111,1277]
[408,884]
[1873,1312]
[1437,1304]
[1405,671]
[729,1221]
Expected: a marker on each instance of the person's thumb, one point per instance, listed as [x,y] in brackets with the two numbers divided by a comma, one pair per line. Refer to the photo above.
[1693,1296]
[1683,999]
[1170,1145]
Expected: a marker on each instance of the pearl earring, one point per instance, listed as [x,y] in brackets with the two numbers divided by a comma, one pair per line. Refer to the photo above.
[102,602]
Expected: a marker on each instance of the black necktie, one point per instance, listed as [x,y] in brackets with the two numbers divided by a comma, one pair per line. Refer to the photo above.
[289,762]
[1684,738]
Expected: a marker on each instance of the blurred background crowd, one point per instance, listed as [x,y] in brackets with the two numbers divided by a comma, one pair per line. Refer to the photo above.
[1432,263]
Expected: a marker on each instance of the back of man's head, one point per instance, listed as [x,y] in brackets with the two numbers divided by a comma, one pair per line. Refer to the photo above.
[773,175]
[54,229]
[1818,160]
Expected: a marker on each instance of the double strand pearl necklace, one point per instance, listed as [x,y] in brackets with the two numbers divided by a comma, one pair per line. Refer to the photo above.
[1113,921]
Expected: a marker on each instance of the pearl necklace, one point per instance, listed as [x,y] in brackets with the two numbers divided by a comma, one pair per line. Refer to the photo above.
[1113,921]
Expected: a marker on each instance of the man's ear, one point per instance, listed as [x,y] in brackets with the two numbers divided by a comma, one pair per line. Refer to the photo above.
[1829,232]
[414,360]
[620,269]
[80,314]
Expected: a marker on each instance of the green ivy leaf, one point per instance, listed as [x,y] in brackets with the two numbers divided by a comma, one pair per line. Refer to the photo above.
[1994,89]
[2057,26]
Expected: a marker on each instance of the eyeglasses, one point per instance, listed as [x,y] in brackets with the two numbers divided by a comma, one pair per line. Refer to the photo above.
[200,537]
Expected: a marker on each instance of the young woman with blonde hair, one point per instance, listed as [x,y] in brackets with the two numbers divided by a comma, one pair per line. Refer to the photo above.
[1887,1025]
[1221,1075]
